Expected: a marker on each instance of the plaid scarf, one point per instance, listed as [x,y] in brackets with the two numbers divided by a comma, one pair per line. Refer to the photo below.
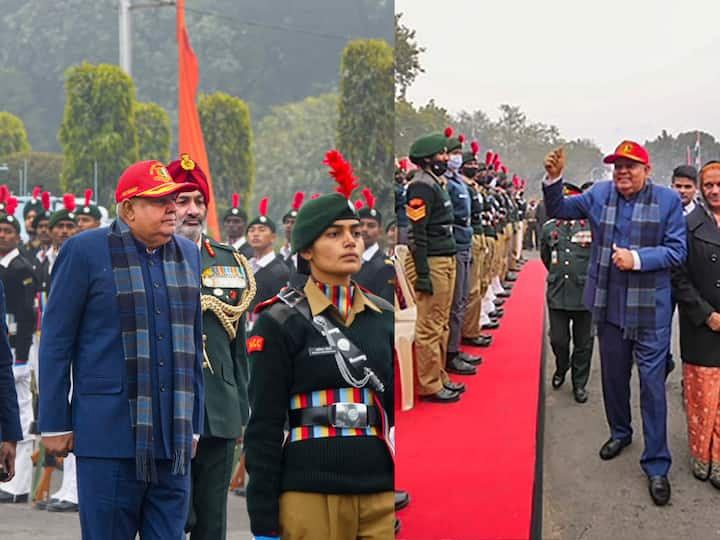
[183,292]
[641,291]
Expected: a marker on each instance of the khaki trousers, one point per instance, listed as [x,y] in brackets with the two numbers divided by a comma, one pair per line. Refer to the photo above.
[432,326]
[315,516]
[487,274]
[471,322]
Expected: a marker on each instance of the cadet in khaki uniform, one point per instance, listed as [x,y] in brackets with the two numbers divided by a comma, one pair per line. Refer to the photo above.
[565,251]
[321,358]
[227,288]
[430,214]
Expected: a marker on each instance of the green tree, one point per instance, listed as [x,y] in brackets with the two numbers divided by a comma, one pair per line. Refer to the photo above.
[667,152]
[407,57]
[366,114]
[290,146]
[228,138]
[13,137]
[153,131]
[43,169]
[98,126]
[411,123]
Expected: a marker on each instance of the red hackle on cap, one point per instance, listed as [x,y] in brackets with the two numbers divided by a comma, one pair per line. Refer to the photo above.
[88,196]
[263,206]
[235,200]
[369,198]
[461,138]
[504,169]
[298,199]
[11,205]
[46,200]
[358,204]
[69,202]
[4,193]
[488,158]
[474,147]
[36,192]
[448,132]
[342,172]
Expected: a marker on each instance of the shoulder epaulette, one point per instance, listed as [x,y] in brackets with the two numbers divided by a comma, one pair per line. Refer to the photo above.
[266,303]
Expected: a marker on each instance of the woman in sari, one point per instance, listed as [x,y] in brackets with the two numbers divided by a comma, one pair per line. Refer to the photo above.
[696,288]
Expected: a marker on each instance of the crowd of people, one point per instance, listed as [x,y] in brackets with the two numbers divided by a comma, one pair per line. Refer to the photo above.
[145,353]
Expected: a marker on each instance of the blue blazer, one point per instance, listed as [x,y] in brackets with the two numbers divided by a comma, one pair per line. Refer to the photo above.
[10,429]
[81,334]
[670,249]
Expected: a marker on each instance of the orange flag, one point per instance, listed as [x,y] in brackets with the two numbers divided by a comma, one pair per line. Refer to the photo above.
[190,139]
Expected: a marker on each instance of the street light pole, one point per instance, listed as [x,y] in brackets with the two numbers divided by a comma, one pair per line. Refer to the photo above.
[124,27]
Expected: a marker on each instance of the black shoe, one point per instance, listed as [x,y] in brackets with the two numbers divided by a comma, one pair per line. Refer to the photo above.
[240,492]
[498,302]
[504,294]
[62,506]
[507,285]
[469,358]
[492,325]
[397,526]
[6,497]
[480,341]
[580,394]
[511,277]
[443,396]
[558,380]
[402,499]
[498,313]
[42,505]
[486,336]
[612,448]
[659,487]
[458,367]
[453,387]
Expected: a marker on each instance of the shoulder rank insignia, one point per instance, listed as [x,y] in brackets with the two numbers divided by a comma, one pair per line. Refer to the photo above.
[224,277]
[266,303]
[416,209]
[209,248]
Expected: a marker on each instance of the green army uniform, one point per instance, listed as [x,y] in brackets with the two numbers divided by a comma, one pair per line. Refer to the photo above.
[228,288]
[565,251]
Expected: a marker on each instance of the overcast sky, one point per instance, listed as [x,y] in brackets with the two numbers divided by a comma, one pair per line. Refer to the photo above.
[603,70]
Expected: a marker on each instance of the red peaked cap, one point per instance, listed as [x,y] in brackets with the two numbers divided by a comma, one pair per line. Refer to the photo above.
[186,170]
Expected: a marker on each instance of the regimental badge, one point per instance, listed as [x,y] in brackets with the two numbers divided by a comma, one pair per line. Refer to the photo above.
[159,173]
[255,344]
[186,163]
[224,277]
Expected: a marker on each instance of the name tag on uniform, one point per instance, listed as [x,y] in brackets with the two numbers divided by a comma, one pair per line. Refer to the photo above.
[224,277]
[318,351]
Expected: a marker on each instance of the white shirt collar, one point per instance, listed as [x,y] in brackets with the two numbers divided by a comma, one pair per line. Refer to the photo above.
[689,208]
[239,242]
[370,252]
[10,257]
[263,261]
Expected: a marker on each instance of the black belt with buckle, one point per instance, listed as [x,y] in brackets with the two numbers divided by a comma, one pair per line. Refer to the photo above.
[339,415]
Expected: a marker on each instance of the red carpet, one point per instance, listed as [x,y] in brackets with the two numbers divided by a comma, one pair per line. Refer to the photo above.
[470,466]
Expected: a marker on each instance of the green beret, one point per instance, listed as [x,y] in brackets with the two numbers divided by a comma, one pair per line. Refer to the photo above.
[32,204]
[453,143]
[370,213]
[235,212]
[429,145]
[469,156]
[42,215]
[10,220]
[317,215]
[263,220]
[390,224]
[62,215]
[91,210]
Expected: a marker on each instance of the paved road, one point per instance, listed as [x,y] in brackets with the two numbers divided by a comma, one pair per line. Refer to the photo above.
[22,522]
[586,498]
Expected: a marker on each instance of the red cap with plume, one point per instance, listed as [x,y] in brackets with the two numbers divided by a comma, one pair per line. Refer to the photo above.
[46,200]
[88,197]
[358,204]
[298,199]
[69,202]
[342,172]
[474,147]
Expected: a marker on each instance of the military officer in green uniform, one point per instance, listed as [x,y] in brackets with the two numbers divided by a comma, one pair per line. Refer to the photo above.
[227,289]
[565,251]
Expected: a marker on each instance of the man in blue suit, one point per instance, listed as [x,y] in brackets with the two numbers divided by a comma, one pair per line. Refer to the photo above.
[638,234]
[124,323]
[10,430]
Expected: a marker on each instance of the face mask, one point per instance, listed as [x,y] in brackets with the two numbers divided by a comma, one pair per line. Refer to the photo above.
[470,172]
[438,167]
[455,162]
